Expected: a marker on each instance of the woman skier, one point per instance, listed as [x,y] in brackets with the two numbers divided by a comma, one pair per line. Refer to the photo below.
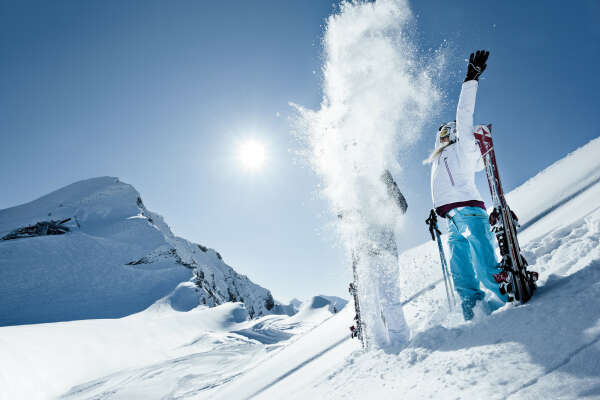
[455,160]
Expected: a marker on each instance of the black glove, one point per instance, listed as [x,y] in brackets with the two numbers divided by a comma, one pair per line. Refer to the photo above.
[432,223]
[477,64]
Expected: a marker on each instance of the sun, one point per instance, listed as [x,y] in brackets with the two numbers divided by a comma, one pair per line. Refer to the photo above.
[251,154]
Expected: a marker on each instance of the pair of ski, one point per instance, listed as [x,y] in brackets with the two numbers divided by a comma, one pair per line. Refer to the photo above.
[513,277]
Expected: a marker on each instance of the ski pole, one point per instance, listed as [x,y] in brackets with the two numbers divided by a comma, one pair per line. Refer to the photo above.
[435,236]
[446,272]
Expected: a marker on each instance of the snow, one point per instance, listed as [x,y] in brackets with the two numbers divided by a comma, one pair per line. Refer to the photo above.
[153,354]
[378,93]
[573,179]
[118,259]
[547,348]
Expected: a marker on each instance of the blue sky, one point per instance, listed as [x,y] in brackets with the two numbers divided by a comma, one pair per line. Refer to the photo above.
[158,94]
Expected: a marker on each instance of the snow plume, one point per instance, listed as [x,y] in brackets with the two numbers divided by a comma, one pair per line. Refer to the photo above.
[377,95]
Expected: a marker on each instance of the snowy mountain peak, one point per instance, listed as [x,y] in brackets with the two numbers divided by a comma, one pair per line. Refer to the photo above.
[111,257]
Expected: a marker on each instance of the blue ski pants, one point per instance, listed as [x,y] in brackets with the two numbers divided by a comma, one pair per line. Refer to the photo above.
[472,257]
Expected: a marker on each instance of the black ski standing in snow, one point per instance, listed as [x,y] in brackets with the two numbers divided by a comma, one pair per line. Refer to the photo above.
[435,236]
[358,329]
[514,279]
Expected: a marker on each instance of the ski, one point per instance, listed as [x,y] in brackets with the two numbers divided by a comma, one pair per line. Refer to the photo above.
[513,278]
[357,330]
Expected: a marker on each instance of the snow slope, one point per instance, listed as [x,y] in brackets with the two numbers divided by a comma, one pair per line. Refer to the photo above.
[118,259]
[157,353]
[548,348]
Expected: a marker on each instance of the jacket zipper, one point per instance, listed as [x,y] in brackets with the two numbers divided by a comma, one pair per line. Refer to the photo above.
[448,169]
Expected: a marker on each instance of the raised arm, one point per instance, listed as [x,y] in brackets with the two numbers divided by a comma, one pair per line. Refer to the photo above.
[465,110]
[466,101]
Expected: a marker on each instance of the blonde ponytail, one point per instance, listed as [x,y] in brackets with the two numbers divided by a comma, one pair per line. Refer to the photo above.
[436,152]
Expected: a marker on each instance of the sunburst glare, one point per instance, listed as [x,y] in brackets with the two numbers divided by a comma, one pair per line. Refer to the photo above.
[252,154]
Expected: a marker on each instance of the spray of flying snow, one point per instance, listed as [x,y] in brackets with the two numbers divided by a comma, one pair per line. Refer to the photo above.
[377,95]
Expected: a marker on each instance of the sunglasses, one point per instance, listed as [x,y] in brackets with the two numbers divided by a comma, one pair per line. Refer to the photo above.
[444,132]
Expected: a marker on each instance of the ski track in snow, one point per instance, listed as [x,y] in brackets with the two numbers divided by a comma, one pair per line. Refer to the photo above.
[556,367]
[200,374]
[298,367]
[185,376]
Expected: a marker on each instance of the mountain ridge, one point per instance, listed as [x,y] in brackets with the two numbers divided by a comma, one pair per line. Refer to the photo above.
[118,258]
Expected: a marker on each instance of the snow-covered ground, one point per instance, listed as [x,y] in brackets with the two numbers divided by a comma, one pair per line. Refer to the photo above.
[158,353]
[548,348]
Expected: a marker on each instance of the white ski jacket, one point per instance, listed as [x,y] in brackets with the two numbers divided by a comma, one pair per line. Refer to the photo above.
[453,171]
